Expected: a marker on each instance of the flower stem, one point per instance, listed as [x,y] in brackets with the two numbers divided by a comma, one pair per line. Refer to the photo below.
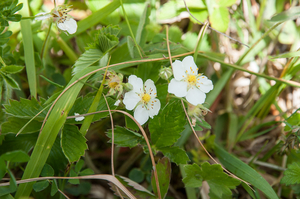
[45,42]
[131,33]
[69,52]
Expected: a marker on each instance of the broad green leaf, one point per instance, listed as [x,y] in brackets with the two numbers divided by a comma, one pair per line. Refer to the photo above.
[203,123]
[219,182]
[293,120]
[47,171]
[73,143]
[41,185]
[163,168]
[86,172]
[14,124]
[136,189]
[125,137]
[219,19]
[15,156]
[10,81]
[244,171]
[292,174]
[225,3]
[165,128]
[132,48]
[79,166]
[73,174]
[176,154]
[12,69]
[7,196]
[289,14]
[25,108]
[136,175]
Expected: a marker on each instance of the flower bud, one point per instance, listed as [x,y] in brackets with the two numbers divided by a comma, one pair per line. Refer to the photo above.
[165,73]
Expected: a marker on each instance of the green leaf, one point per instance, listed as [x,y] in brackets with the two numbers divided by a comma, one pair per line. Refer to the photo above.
[41,185]
[25,108]
[219,19]
[125,137]
[244,171]
[54,187]
[165,128]
[176,154]
[12,69]
[136,175]
[86,172]
[47,171]
[2,168]
[73,174]
[10,81]
[79,166]
[203,123]
[15,156]
[163,169]
[292,174]
[226,3]
[287,55]
[73,143]
[219,182]
[136,189]
[141,33]
[289,14]
[293,120]
[14,124]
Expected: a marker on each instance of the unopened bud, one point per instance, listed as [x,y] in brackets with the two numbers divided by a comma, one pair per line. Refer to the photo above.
[165,73]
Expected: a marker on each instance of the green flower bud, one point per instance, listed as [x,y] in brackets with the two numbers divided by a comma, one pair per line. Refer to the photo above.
[165,73]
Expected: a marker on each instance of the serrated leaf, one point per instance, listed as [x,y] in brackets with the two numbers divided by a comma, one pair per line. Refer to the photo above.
[292,174]
[73,143]
[88,58]
[25,108]
[176,154]
[14,124]
[15,156]
[219,182]
[244,171]
[107,42]
[165,128]
[163,169]
[12,69]
[10,81]
[136,189]
[22,142]
[219,19]
[289,14]
[125,137]
[41,185]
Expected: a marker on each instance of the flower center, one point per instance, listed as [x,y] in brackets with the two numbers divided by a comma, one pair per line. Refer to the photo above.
[146,98]
[112,84]
[192,79]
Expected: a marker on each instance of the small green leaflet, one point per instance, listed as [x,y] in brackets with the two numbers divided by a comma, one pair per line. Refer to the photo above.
[73,143]
[219,182]
[292,174]
[125,137]
[176,154]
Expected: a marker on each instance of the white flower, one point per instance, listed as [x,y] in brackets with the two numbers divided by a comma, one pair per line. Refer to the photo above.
[63,20]
[78,119]
[142,98]
[188,83]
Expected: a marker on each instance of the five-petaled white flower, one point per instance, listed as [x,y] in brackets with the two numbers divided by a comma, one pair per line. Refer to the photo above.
[188,83]
[63,20]
[142,98]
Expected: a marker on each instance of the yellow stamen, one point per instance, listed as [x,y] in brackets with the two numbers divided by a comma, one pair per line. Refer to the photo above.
[192,79]
[112,84]
[146,98]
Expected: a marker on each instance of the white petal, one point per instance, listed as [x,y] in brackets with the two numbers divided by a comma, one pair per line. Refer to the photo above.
[137,83]
[71,25]
[204,84]
[189,65]
[178,88]
[178,70]
[42,16]
[62,26]
[150,88]
[117,103]
[141,114]
[78,119]
[195,96]
[130,100]
[154,107]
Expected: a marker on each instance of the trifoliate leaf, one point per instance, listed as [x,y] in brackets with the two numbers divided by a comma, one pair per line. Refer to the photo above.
[73,143]
[163,168]
[165,128]
[176,154]
[125,137]
[219,182]
[292,174]
[25,108]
